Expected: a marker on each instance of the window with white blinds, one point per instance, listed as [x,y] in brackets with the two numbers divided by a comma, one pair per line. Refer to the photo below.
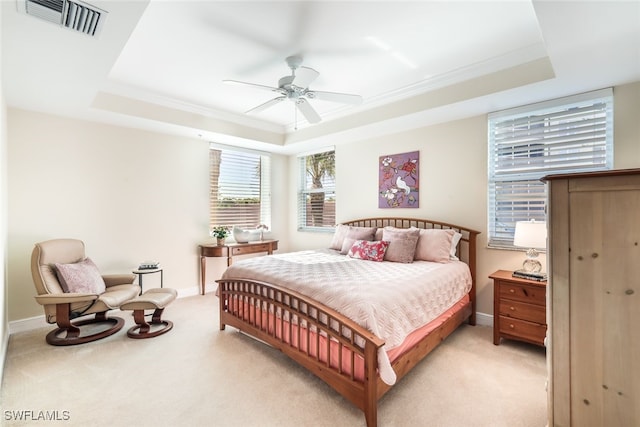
[573,134]
[317,192]
[240,189]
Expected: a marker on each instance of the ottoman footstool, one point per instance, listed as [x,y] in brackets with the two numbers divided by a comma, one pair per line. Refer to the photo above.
[154,299]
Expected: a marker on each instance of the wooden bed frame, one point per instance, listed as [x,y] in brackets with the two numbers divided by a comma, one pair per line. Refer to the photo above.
[337,335]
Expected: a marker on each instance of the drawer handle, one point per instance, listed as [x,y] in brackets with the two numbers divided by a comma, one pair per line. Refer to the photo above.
[512,326]
[513,291]
[512,308]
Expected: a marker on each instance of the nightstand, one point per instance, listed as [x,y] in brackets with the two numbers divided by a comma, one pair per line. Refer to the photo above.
[519,308]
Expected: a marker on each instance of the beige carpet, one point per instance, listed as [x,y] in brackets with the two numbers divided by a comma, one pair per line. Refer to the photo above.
[196,375]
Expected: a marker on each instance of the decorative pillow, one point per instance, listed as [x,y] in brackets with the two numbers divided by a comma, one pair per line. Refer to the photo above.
[370,251]
[402,243]
[357,233]
[435,245]
[82,277]
[338,236]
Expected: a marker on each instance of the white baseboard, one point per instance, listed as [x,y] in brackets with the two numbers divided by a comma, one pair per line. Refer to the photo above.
[24,325]
[29,324]
[3,353]
[483,319]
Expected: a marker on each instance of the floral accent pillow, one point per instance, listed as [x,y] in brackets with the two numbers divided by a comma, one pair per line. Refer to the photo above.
[370,251]
[81,277]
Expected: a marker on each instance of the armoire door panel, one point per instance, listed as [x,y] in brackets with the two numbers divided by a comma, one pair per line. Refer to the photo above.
[594,299]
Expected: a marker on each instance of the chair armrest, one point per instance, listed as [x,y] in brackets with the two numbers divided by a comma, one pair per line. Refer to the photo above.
[118,279]
[68,298]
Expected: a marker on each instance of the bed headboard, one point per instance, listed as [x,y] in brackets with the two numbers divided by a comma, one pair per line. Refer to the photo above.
[466,250]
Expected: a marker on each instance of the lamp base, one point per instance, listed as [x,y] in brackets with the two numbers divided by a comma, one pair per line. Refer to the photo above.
[531,266]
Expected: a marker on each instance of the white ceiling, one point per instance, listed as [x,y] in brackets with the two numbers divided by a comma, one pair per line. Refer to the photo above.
[159,65]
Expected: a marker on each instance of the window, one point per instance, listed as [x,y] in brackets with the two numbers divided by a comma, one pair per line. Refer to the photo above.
[240,190]
[573,134]
[317,192]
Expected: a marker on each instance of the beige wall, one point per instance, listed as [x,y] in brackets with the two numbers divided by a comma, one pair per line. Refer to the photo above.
[133,195]
[4,291]
[130,195]
[4,320]
[453,180]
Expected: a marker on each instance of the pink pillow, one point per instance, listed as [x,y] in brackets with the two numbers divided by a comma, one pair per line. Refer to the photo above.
[370,251]
[357,233]
[435,245]
[402,243]
[338,237]
[81,277]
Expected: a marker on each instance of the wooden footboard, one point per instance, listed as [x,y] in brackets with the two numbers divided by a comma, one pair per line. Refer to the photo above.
[331,346]
[315,336]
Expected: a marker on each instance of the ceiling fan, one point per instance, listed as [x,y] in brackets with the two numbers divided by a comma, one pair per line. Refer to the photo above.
[296,88]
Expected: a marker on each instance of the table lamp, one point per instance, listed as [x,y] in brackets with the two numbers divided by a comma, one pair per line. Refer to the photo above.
[533,235]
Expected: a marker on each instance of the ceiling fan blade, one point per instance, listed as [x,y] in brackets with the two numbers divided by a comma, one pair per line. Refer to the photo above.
[344,98]
[266,105]
[257,86]
[304,77]
[307,111]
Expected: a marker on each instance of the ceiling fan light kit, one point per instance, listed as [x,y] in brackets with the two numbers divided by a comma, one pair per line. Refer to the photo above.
[295,87]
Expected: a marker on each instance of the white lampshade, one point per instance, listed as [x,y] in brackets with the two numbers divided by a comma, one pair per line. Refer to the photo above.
[531,234]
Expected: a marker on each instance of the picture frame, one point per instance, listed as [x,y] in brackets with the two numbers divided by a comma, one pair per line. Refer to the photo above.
[399,180]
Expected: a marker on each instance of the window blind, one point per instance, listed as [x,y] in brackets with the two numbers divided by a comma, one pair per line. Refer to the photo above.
[317,192]
[240,190]
[573,134]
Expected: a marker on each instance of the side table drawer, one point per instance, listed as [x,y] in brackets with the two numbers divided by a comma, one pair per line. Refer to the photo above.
[242,250]
[523,330]
[524,293]
[524,311]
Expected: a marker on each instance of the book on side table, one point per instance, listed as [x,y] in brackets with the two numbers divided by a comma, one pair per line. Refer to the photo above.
[149,265]
[540,277]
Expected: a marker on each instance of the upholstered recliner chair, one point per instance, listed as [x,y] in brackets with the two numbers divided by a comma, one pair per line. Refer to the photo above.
[69,286]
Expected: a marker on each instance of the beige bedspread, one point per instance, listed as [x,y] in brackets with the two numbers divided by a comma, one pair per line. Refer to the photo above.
[390,299]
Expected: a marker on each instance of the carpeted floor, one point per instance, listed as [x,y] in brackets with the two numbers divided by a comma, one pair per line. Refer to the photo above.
[196,375]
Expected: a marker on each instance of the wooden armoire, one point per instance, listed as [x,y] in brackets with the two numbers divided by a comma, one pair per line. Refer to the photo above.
[593,299]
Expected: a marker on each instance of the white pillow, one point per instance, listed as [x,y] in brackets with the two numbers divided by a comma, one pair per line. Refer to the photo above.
[454,245]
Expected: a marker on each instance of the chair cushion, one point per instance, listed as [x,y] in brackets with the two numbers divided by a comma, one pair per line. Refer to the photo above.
[80,277]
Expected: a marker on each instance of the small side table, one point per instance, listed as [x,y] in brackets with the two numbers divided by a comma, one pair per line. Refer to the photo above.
[519,308]
[229,250]
[142,272]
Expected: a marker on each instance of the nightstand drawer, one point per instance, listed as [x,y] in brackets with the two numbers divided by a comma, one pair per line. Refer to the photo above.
[522,329]
[523,311]
[524,293]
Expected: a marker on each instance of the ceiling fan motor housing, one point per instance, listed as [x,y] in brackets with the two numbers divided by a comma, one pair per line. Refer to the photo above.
[292,90]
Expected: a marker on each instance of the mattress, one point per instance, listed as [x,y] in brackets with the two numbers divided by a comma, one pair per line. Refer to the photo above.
[390,299]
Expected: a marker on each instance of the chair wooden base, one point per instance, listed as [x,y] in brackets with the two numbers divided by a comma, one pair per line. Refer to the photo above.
[149,329]
[73,334]
[154,299]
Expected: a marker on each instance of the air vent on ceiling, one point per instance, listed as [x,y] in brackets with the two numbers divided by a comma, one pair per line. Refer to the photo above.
[75,15]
